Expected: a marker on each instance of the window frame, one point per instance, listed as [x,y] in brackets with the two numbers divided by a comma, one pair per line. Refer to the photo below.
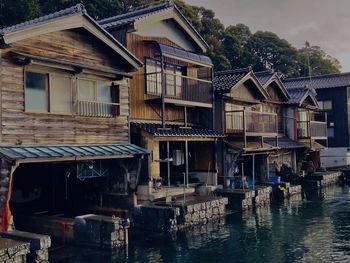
[74,91]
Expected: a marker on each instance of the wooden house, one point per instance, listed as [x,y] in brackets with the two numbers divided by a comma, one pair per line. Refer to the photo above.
[171,98]
[244,116]
[332,92]
[300,125]
[266,126]
[64,125]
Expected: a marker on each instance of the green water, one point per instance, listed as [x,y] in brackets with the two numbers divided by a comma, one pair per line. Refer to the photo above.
[313,228]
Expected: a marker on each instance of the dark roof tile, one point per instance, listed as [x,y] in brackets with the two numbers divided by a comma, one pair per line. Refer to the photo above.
[319,82]
[225,80]
[79,8]
[173,130]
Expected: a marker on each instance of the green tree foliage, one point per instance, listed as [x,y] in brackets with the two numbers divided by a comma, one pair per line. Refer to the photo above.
[313,60]
[232,47]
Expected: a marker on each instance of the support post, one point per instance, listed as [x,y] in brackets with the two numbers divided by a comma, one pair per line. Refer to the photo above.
[326,121]
[186,160]
[309,128]
[185,116]
[253,171]
[244,129]
[168,162]
[163,81]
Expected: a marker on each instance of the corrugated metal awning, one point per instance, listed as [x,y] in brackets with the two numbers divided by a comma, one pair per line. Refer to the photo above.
[184,55]
[41,153]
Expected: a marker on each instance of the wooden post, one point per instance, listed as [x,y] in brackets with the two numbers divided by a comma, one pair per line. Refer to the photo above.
[244,129]
[309,128]
[168,163]
[276,118]
[163,81]
[186,160]
[253,171]
[326,120]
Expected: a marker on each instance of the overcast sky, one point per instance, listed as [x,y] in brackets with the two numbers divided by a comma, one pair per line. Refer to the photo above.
[321,22]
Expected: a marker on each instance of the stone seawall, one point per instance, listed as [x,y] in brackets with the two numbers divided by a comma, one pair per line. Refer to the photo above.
[321,179]
[12,251]
[163,217]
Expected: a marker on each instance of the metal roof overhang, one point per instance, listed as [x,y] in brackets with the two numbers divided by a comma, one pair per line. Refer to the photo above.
[180,54]
[56,153]
[252,147]
[26,58]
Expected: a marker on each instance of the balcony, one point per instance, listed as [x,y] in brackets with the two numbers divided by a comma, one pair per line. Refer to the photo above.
[179,89]
[97,109]
[251,123]
[316,130]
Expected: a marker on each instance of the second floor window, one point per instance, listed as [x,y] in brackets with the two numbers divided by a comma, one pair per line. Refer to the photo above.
[48,92]
[97,98]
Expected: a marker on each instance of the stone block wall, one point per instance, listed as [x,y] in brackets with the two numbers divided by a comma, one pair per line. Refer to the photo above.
[12,251]
[100,231]
[39,244]
[169,218]
[262,196]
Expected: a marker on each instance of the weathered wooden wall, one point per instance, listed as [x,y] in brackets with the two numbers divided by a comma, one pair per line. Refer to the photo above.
[139,108]
[18,126]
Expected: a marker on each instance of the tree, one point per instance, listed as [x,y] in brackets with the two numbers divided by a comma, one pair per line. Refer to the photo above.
[271,52]
[314,61]
[14,12]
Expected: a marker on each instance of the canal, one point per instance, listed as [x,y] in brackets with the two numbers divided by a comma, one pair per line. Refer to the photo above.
[312,228]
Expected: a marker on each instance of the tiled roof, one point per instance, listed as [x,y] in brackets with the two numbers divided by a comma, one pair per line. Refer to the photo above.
[172,130]
[16,152]
[297,94]
[132,16]
[264,76]
[225,80]
[284,143]
[79,8]
[320,82]
[143,12]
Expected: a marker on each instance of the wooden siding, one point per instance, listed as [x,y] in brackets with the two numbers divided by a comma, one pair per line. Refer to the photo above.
[18,126]
[139,108]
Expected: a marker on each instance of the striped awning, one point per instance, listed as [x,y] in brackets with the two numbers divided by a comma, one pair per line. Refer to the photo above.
[39,153]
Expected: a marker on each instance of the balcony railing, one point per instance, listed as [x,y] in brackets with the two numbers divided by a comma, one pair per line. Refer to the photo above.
[179,87]
[251,123]
[97,109]
[312,129]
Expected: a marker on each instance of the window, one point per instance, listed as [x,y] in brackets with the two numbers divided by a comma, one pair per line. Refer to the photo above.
[153,77]
[97,98]
[46,92]
[330,132]
[52,92]
[173,79]
[36,92]
[326,105]
[60,94]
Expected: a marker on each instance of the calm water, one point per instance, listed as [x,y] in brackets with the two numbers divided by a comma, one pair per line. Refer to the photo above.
[313,229]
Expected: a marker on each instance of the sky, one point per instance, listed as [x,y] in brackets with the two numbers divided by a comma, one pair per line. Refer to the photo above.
[325,23]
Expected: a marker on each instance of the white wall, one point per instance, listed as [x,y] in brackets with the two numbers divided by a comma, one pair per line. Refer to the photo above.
[335,157]
[167,29]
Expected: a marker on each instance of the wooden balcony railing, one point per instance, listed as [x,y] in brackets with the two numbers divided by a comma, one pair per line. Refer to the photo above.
[312,129]
[179,87]
[97,109]
[251,123]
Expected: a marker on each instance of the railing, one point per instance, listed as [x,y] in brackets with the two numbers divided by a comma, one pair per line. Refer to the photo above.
[251,123]
[179,87]
[312,129]
[97,109]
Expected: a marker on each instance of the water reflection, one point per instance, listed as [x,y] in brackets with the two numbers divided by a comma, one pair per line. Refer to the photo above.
[310,228]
